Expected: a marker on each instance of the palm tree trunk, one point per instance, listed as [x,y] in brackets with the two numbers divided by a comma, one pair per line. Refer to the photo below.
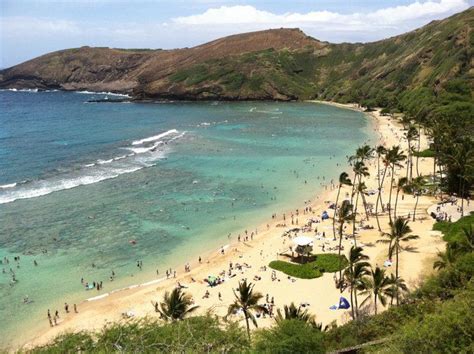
[364,203]
[354,218]
[335,211]
[396,275]
[247,323]
[356,304]
[375,303]
[416,204]
[379,198]
[390,193]
[418,151]
[352,303]
[340,258]
[396,202]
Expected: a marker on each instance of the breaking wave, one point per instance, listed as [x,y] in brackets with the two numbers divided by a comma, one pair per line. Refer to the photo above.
[102,93]
[144,153]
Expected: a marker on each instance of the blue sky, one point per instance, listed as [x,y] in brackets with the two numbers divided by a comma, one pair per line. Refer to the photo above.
[29,28]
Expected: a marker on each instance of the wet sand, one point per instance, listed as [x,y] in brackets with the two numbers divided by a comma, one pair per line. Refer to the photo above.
[267,245]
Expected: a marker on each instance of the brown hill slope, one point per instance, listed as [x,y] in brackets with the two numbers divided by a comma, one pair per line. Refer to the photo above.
[279,64]
[119,70]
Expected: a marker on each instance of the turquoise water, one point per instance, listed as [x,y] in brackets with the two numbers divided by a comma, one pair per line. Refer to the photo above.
[79,181]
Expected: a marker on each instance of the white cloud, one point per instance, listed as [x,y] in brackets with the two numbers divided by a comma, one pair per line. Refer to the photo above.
[226,15]
[21,24]
[23,37]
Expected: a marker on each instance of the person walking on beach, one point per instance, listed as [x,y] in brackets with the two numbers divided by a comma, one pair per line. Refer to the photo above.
[66,307]
[75,308]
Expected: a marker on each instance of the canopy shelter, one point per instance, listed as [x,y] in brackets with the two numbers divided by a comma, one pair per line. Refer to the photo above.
[304,246]
[303,241]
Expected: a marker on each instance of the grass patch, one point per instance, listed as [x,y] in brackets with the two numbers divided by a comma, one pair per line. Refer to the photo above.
[321,263]
[424,153]
[453,230]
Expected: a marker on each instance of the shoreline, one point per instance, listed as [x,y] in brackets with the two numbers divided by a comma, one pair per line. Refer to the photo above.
[104,306]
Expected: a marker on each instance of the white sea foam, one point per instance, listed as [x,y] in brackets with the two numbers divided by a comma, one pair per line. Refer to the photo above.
[141,150]
[155,137]
[268,112]
[141,157]
[102,93]
[21,90]
[102,162]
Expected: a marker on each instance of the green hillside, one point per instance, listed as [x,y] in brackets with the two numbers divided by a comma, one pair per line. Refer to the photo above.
[380,71]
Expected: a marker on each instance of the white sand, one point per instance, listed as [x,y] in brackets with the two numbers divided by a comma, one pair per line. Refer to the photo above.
[320,293]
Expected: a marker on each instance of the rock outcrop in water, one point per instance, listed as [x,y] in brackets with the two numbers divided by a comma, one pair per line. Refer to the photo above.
[278,64]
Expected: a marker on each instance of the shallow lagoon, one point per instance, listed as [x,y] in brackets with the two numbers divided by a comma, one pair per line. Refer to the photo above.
[218,169]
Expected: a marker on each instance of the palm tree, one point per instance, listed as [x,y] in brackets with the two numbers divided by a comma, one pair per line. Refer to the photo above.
[466,244]
[411,134]
[175,305]
[360,169]
[417,185]
[378,285]
[344,180]
[402,181]
[399,233]
[345,214]
[394,158]
[356,270]
[362,153]
[381,151]
[294,313]
[418,149]
[396,285]
[247,301]
[445,259]
[362,189]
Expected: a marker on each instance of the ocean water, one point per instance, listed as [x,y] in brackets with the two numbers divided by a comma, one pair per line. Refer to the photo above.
[87,188]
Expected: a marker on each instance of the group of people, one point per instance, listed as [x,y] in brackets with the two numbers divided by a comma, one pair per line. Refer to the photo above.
[53,320]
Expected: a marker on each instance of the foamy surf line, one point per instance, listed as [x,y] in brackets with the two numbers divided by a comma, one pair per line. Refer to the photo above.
[101,170]
[102,93]
[152,282]
[154,138]
[5,186]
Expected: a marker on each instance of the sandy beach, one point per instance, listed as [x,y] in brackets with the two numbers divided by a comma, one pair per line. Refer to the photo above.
[266,245]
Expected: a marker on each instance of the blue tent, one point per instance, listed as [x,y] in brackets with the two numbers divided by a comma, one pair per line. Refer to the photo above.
[343,303]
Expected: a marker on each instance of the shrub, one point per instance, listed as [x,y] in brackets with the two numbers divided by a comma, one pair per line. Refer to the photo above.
[465,264]
[424,153]
[375,327]
[447,330]
[290,336]
[453,230]
[195,334]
